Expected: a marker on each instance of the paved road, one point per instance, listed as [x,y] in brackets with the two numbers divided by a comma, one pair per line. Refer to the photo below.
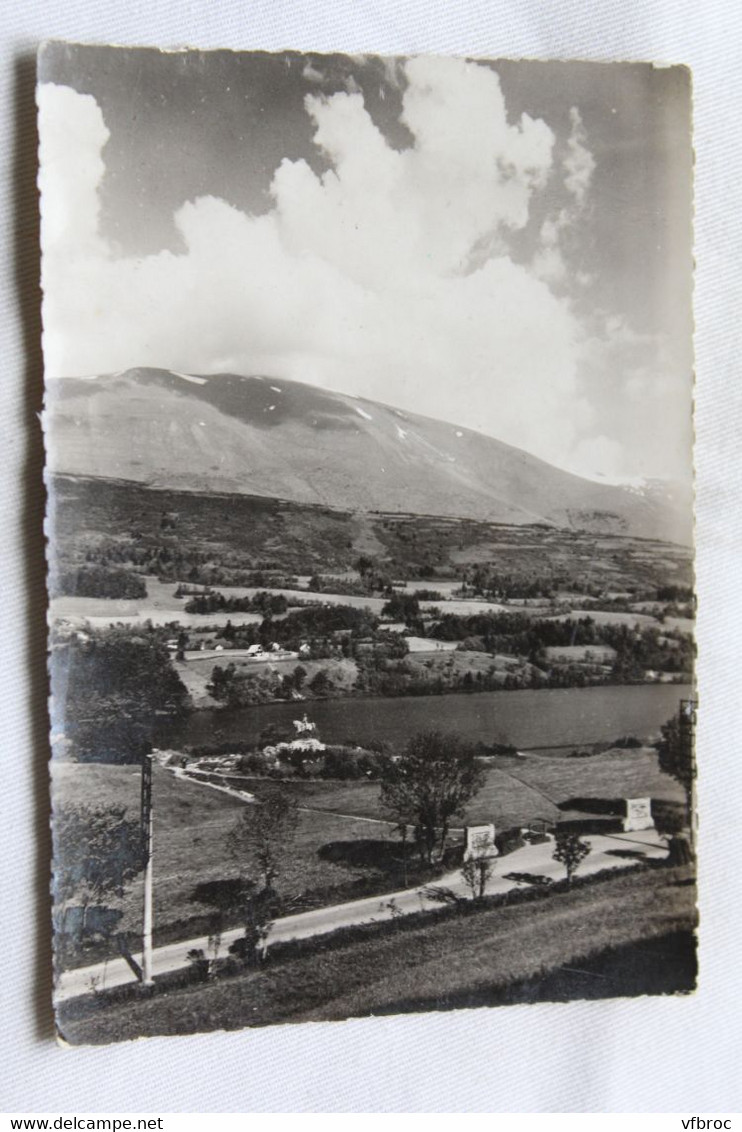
[533,859]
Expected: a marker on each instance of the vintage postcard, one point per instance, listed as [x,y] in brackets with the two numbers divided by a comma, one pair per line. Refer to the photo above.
[369,459]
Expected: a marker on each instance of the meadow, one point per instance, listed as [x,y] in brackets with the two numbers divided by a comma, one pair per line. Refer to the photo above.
[516,791]
[191,827]
[345,846]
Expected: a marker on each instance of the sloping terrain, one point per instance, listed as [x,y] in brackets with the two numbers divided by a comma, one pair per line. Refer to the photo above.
[274,438]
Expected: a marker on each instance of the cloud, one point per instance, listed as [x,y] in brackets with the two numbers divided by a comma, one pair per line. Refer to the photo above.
[388,276]
[72,138]
[425,209]
[600,457]
[643,405]
[550,262]
[579,162]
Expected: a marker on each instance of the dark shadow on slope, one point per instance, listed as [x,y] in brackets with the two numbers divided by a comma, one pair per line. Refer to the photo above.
[666,965]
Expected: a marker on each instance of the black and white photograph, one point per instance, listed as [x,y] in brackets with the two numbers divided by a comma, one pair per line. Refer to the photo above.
[369,457]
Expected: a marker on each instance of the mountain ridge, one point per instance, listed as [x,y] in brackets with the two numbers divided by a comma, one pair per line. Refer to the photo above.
[270,437]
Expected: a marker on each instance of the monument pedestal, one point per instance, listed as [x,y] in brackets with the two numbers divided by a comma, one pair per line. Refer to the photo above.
[638,815]
[480,842]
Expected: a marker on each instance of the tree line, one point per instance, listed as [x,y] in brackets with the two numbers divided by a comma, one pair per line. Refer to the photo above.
[98,581]
[269,604]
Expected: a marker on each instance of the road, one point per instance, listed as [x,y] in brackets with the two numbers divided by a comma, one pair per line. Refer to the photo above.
[532,859]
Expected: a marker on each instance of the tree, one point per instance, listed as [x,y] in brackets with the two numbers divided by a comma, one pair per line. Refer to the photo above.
[570,851]
[675,750]
[364,564]
[258,841]
[97,851]
[300,675]
[257,913]
[676,758]
[320,684]
[402,607]
[431,783]
[182,645]
[116,684]
[99,581]
[263,834]
[222,681]
[477,872]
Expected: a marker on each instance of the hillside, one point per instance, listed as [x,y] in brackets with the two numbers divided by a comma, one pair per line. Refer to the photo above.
[274,438]
[639,941]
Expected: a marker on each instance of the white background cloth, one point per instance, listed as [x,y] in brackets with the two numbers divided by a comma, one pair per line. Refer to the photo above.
[613,1056]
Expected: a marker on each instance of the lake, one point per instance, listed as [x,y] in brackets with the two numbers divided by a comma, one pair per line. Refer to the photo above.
[529,718]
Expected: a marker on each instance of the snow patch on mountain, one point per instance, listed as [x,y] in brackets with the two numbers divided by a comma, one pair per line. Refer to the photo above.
[190,377]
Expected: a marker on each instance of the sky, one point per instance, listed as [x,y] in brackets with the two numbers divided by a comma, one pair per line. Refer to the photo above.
[502,245]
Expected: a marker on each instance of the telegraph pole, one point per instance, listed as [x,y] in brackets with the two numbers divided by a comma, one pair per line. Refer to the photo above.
[147,848]
[687,722]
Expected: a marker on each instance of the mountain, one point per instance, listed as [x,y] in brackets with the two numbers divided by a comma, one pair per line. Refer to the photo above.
[264,436]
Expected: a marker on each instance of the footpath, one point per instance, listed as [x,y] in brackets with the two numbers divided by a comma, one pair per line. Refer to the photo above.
[535,860]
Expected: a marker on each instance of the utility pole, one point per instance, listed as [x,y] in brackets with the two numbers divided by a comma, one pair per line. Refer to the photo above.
[687,724]
[147,848]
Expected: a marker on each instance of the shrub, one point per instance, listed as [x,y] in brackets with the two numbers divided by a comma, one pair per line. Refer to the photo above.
[508,840]
[200,965]
[669,817]
[340,763]
[592,825]
[570,851]
[534,838]
[254,764]
[615,807]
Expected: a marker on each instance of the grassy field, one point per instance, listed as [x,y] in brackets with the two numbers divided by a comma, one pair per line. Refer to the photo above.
[337,855]
[160,606]
[469,960]
[191,826]
[613,774]
[518,790]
